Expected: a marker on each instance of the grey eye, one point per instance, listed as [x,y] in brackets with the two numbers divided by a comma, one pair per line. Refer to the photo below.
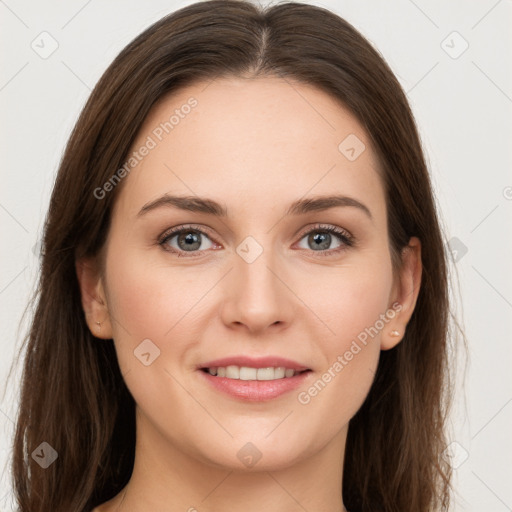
[320,240]
[188,240]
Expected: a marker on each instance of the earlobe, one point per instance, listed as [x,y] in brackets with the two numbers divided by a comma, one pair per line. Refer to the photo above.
[93,298]
[405,294]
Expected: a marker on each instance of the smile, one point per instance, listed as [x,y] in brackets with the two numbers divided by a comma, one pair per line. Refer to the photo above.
[248,373]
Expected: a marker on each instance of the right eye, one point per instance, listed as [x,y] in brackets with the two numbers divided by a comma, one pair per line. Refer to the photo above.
[183,239]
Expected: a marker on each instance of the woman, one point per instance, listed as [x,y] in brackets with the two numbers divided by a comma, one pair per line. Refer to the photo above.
[243,293]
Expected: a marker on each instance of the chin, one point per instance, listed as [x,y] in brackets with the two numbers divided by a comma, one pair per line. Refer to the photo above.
[245,455]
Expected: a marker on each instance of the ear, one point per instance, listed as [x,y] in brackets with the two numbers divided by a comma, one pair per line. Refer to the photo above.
[94,302]
[404,294]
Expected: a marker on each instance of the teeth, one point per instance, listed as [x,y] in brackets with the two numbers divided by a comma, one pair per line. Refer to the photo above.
[247,373]
[232,372]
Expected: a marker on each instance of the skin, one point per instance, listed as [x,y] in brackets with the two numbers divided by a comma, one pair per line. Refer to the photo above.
[255,146]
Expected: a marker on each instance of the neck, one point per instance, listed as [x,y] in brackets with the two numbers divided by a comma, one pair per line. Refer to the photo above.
[170,477]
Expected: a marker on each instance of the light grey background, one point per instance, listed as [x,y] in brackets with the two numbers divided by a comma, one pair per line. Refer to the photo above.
[462,101]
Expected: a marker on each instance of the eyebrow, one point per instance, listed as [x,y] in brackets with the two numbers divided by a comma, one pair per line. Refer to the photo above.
[211,207]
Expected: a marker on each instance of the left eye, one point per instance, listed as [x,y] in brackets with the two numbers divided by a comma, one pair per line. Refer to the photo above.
[321,239]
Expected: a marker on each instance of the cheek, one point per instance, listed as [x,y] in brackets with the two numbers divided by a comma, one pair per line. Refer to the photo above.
[152,308]
[147,298]
[156,302]
[353,304]
[353,301]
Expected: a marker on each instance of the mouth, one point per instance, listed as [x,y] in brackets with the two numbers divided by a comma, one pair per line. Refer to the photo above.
[247,373]
[254,379]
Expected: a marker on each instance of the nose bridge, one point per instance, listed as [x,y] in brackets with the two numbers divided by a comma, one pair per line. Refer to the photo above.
[259,297]
[255,259]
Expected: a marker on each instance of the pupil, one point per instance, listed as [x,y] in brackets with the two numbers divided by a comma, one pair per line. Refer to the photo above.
[190,239]
[322,240]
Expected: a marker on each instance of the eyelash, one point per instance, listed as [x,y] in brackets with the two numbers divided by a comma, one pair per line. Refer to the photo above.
[344,236]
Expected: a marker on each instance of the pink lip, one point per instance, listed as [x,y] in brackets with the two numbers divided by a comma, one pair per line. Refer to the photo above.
[255,362]
[255,390]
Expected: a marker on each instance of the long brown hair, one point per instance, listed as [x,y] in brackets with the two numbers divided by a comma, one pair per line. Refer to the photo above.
[73,395]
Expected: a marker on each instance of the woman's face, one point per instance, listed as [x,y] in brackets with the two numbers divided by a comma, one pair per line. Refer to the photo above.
[265,285]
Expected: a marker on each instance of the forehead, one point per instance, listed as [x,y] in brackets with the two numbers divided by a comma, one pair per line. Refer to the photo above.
[266,138]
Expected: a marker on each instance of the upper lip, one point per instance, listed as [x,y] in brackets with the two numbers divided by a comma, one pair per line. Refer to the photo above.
[255,362]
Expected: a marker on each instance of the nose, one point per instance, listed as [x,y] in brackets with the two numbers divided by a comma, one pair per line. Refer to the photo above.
[256,295]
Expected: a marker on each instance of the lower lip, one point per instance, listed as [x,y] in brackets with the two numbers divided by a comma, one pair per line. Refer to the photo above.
[256,390]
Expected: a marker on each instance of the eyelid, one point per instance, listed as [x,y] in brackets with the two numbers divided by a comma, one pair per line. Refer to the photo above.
[331,228]
[172,232]
[346,238]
